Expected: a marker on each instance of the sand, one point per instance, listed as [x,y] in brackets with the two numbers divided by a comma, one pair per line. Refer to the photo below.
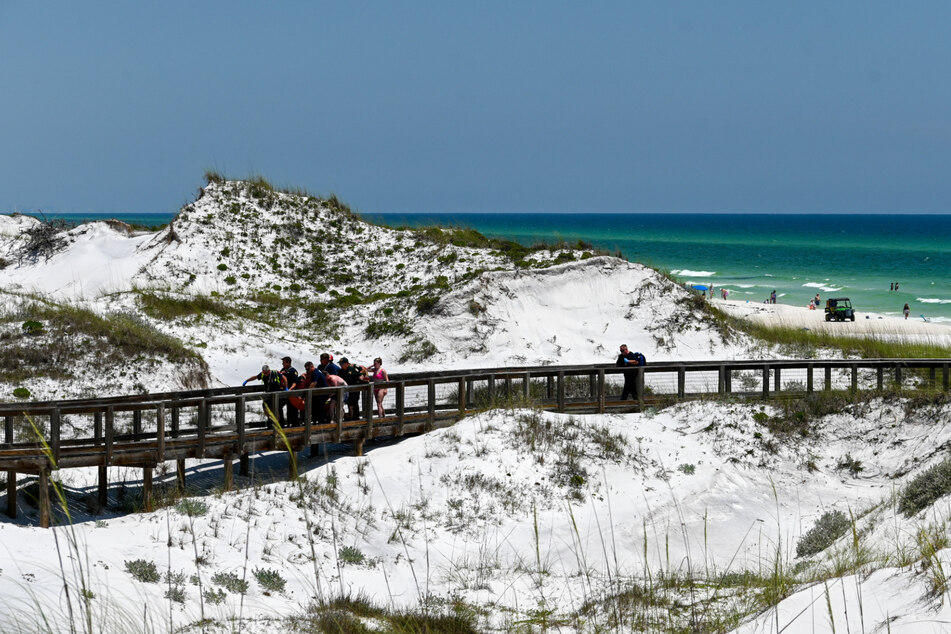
[865,324]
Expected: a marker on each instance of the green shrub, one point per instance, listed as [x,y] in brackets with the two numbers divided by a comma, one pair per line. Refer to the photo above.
[21,392]
[417,350]
[32,327]
[351,555]
[270,580]
[391,328]
[215,596]
[926,488]
[222,267]
[230,280]
[426,304]
[143,570]
[849,463]
[192,507]
[830,527]
[230,582]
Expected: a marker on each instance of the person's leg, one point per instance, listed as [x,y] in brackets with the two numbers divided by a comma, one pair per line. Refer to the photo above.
[380,394]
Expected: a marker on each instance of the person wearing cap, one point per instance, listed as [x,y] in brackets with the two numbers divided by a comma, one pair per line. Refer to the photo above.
[353,375]
[291,378]
[273,382]
[327,364]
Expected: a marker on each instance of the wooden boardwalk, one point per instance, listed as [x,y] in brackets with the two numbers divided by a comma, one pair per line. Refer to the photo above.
[228,423]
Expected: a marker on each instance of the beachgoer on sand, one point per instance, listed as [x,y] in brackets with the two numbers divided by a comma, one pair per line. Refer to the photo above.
[817,301]
[906,310]
[772,297]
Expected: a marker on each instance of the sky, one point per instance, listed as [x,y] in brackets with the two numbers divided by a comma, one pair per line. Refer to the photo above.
[530,106]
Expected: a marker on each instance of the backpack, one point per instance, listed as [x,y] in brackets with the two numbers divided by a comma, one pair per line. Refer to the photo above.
[641,360]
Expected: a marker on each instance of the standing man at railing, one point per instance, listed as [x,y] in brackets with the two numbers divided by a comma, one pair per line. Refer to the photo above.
[291,378]
[353,375]
[626,359]
[273,382]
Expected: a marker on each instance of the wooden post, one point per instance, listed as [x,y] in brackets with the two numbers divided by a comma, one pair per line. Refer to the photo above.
[338,416]
[550,387]
[227,463]
[202,421]
[508,387]
[593,385]
[180,474]
[602,391]
[358,447]
[147,489]
[175,422]
[561,390]
[462,396]
[103,487]
[809,373]
[639,388]
[898,377]
[308,415]
[491,390]
[240,410]
[765,381]
[469,391]
[244,464]
[828,372]
[527,388]
[855,376]
[431,402]
[681,381]
[97,429]
[160,431]
[728,382]
[11,475]
[55,434]
[401,405]
[110,432]
[136,423]
[777,382]
[371,411]
[946,376]
[44,496]
[880,378]
[12,494]
[721,380]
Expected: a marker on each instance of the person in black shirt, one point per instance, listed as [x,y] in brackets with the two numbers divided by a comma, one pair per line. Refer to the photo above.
[290,381]
[273,382]
[353,375]
[316,379]
[627,358]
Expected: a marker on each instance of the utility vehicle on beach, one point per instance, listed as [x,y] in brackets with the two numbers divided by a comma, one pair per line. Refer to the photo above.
[839,309]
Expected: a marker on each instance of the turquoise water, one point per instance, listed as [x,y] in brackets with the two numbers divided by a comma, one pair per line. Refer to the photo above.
[856,256]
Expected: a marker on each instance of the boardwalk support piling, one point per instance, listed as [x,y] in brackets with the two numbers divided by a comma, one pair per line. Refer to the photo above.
[44,496]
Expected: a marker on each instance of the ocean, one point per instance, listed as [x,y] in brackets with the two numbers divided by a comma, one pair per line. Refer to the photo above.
[859,256]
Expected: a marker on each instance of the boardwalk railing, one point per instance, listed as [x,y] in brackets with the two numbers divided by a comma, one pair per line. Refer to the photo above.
[227,423]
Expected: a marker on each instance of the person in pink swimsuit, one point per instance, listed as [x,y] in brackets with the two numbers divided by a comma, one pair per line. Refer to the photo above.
[378,375]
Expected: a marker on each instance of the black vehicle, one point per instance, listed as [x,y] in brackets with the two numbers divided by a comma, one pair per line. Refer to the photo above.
[839,309]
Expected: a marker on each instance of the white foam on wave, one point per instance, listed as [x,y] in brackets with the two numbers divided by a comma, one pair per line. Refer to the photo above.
[745,285]
[932,300]
[824,288]
[689,273]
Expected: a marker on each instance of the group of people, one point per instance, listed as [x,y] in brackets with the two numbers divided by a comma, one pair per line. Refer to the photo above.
[325,374]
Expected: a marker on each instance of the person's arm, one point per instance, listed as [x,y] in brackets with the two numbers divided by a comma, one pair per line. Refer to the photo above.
[250,378]
[386,377]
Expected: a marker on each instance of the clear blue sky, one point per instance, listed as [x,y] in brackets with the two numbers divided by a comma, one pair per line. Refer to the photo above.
[480,106]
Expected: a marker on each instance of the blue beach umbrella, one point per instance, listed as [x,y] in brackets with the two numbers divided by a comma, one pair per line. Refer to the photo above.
[700,287]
